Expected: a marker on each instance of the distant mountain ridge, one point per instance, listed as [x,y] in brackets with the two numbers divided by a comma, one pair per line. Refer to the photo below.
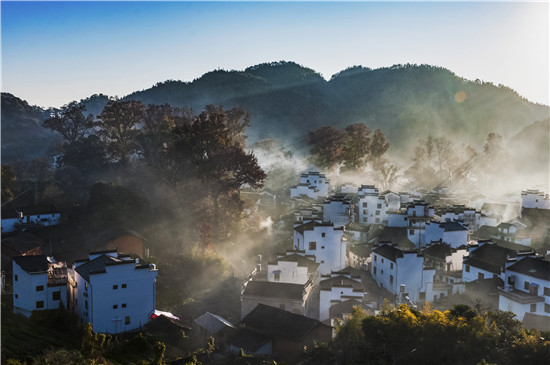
[286,100]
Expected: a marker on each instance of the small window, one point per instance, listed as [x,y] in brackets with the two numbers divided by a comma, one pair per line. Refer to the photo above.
[391,265]
[382,272]
[16,277]
[391,279]
[364,205]
[85,304]
[377,220]
[365,211]
[56,295]
[16,296]
[115,306]
[365,219]
[382,260]
[375,257]
[123,286]
[322,246]
[374,270]
[277,276]
[40,288]
[377,212]
[495,276]
[323,234]
[379,206]
[526,285]
[85,286]
[115,287]
[480,276]
[467,268]
[547,308]
[127,320]
[40,304]
[313,245]
[533,308]
[547,291]
[123,305]
[411,232]
[322,261]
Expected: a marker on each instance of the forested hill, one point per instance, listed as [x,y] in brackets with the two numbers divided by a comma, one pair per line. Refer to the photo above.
[406,101]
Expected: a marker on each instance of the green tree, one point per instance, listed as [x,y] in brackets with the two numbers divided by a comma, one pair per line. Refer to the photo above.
[327,147]
[357,146]
[71,122]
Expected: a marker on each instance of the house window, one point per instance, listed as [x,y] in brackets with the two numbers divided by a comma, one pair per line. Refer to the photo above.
[533,308]
[85,304]
[40,288]
[495,276]
[56,295]
[322,261]
[547,308]
[382,272]
[435,298]
[123,305]
[411,232]
[382,260]
[40,304]
[85,286]
[467,268]
[547,291]
[15,277]
[323,234]
[313,245]
[379,206]
[391,265]
[365,220]
[375,257]
[377,220]
[526,285]
[365,211]
[377,212]
[374,270]
[391,279]
[480,276]
[364,205]
[115,287]
[277,276]
[123,286]
[127,320]
[322,246]
[16,296]
[115,306]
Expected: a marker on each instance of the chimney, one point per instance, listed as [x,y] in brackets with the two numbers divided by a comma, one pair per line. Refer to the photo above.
[259,267]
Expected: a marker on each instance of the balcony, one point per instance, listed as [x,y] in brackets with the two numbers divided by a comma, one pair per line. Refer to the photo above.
[520,296]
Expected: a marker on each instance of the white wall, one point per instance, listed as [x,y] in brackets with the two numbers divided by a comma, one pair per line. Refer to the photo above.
[304,190]
[336,294]
[337,212]
[330,251]
[534,199]
[290,272]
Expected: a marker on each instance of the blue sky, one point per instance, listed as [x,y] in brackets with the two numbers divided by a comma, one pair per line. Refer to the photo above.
[56,52]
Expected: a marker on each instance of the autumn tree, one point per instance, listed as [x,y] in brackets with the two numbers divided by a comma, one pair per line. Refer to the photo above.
[71,122]
[117,127]
[8,183]
[357,146]
[327,147]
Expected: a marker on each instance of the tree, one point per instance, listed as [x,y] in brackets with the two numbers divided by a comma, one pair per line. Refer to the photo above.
[327,147]
[443,148]
[117,125]
[358,146]
[386,173]
[71,122]
[8,183]
[265,146]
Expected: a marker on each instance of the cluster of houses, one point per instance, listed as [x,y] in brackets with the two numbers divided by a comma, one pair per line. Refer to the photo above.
[351,246]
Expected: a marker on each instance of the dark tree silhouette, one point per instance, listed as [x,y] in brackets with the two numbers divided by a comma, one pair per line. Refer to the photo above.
[71,122]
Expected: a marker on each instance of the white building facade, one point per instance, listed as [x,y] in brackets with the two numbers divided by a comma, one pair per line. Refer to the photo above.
[338,287]
[535,199]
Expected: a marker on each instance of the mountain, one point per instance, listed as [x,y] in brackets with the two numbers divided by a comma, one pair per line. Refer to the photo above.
[286,100]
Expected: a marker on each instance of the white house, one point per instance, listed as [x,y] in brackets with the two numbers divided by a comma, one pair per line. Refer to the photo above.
[535,199]
[292,268]
[402,273]
[324,241]
[39,283]
[372,207]
[468,216]
[113,292]
[414,218]
[447,262]
[317,180]
[14,218]
[336,288]
[337,209]
[527,288]
[488,260]
[450,232]
[393,201]
[348,189]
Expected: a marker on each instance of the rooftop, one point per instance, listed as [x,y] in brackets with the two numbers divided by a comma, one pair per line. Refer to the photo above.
[274,290]
[535,267]
[33,264]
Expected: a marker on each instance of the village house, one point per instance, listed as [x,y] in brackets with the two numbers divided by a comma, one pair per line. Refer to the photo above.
[348,189]
[372,207]
[279,333]
[402,273]
[453,233]
[212,325]
[112,291]
[468,216]
[527,289]
[295,268]
[39,283]
[337,209]
[16,218]
[318,181]
[338,287]
[533,198]
[414,219]
[393,201]
[488,260]
[447,262]
[324,241]
[304,190]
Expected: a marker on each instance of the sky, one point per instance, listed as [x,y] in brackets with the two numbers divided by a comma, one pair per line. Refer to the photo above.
[57,52]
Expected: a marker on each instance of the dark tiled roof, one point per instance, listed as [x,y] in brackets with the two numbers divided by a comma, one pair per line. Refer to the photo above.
[535,267]
[301,260]
[98,265]
[490,257]
[22,242]
[249,340]
[278,322]
[486,232]
[454,226]
[345,307]
[30,264]
[274,290]
[389,252]
[309,226]
[396,235]
[438,250]
[340,282]
[9,211]
[353,226]
[38,209]
[511,245]
[212,322]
